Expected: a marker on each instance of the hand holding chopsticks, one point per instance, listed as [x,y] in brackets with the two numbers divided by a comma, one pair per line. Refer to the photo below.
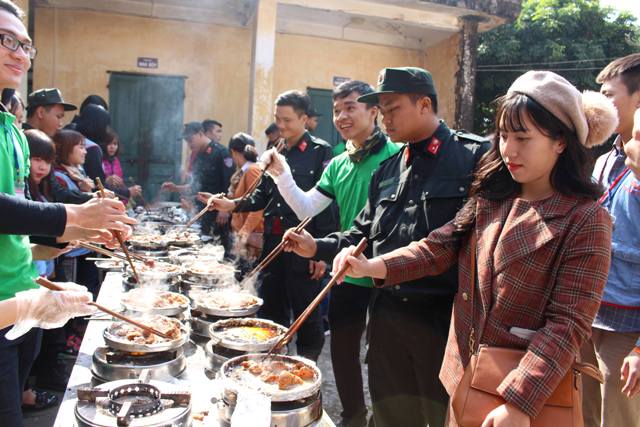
[203,211]
[314,304]
[119,236]
[276,251]
[279,146]
[53,287]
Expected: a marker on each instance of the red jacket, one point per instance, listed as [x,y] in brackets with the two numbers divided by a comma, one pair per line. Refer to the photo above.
[540,266]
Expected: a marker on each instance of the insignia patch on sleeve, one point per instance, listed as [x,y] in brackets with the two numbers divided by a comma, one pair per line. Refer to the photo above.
[228,162]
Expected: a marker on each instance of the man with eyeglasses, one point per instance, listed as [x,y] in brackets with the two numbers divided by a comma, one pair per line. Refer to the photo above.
[16,268]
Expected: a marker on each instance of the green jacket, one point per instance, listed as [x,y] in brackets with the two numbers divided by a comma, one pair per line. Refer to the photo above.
[16,269]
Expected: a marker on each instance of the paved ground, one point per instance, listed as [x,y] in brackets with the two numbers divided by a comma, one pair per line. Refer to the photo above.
[330,395]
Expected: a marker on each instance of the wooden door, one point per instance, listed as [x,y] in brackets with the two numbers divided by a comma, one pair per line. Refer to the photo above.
[147,112]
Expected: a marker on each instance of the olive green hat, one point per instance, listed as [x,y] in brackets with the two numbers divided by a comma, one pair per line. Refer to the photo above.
[401,80]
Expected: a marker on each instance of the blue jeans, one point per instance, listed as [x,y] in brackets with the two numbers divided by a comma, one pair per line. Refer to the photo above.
[16,358]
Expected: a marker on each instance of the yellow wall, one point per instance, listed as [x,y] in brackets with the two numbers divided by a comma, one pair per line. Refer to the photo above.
[77,48]
[303,61]
[442,62]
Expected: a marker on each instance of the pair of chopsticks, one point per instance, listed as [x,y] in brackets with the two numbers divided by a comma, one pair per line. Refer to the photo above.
[314,304]
[115,255]
[201,213]
[279,146]
[119,235]
[53,287]
[276,251]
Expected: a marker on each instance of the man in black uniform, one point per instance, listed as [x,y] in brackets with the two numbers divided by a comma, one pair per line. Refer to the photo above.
[290,282]
[418,190]
[211,171]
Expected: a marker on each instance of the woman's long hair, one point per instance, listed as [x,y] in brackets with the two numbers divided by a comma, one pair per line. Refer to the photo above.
[41,146]
[65,140]
[111,135]
[571,174]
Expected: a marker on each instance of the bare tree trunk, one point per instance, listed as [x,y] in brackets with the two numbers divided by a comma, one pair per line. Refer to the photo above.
[466,75]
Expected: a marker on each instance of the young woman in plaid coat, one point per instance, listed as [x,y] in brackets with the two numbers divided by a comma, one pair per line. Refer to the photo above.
[543,246]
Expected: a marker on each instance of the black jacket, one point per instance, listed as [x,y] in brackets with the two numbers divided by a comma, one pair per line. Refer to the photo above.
[212,169]
[26,217]
[307,161]
[412,193]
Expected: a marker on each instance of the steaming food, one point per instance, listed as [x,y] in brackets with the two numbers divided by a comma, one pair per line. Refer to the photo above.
[157,267]
[284,375]
[225,300]
[148,240]
[109,264]
[130,333]
[250,334]
[182,237]
[210,268]
[144,299]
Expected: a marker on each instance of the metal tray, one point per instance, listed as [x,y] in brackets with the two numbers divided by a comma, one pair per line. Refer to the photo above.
[157,244]
[164,311]
[218,337]
[121,344]
[109,265]
[231,384]
[223,272]
[171,286]
[184,243]
[226,312]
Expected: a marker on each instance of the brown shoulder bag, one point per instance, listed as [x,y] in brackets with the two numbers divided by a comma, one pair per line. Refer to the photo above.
[477,395]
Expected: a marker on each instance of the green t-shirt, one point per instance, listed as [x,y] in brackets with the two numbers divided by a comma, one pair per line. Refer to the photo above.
[348,184]
[339,148]
[16,269]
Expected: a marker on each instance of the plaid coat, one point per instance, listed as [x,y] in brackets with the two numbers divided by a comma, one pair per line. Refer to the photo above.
[540,266]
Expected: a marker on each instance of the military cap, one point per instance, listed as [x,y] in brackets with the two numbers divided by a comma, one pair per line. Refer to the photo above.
[50,96]
[401,80]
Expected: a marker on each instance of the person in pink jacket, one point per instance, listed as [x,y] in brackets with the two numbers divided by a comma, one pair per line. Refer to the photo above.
[113,169]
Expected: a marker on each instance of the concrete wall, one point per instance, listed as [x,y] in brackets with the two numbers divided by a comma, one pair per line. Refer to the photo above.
[77,48]
[299,64]
[442,62]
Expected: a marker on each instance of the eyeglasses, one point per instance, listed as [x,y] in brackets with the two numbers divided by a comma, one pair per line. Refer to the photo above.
[12,43]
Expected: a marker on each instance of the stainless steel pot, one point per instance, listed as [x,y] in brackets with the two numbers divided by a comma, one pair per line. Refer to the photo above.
[141,301]
[220,336]
[121,343]
[235,377]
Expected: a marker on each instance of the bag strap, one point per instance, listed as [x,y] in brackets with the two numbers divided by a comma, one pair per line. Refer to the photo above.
[473,244]
[590,370]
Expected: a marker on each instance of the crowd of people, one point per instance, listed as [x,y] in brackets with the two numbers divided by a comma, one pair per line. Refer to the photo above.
[521,240]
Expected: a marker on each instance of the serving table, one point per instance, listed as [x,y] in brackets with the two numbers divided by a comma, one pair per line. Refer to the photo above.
[196,378]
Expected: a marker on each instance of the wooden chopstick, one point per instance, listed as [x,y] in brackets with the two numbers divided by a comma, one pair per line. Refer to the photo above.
[53,287]
[276,251]
[102,251]
[119,235]
[201,213]
[314,304]
[279,147]
[115,255]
